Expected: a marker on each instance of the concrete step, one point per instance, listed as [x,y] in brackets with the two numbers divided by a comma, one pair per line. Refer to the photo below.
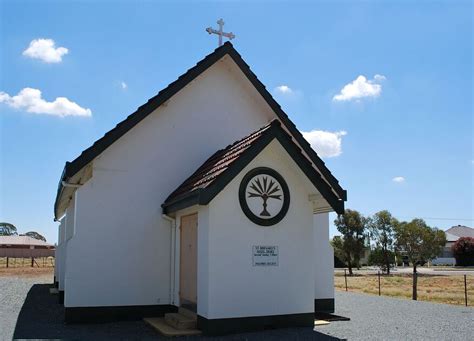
[180,322]
[187,312]
[165,329]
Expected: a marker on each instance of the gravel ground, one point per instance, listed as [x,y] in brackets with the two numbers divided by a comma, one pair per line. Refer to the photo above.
[384,318]
[13,290]
[27,310]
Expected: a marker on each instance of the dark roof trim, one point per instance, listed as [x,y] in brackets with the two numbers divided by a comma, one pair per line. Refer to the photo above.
[204,196]
[288,124]
[71,168]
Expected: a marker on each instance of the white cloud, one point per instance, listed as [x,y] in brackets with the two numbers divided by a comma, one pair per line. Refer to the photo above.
[123,85]
[379,78]
[325,143]
[361,87]
[45,50]
[30,100]
[284,89]
[398,179]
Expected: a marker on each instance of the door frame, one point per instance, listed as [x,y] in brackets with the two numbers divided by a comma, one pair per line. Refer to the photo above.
[182,302]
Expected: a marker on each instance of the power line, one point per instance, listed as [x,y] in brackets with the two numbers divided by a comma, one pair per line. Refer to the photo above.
[430,218]
[437,218]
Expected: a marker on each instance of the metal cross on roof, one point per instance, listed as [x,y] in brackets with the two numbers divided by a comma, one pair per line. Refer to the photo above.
[220,32]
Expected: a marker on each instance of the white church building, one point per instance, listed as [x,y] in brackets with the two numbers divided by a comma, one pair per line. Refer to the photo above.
[205,203]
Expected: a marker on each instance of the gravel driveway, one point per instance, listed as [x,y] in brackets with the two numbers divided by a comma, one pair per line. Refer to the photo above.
[27,310]
[13,291]
[384,318]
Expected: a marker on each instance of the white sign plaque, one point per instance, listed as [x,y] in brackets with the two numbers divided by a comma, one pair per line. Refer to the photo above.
[265,255]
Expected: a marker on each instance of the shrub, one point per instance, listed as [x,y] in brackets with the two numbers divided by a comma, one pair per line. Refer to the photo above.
[376,257]
[463,251]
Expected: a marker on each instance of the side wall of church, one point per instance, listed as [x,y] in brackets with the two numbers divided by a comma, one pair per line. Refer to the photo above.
[324,259]
[233,286]
[120,252]
[69,226]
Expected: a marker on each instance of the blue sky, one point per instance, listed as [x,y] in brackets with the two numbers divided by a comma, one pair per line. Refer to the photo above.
[414,123]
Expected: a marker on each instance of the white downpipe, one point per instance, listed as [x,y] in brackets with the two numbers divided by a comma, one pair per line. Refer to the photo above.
[172,254]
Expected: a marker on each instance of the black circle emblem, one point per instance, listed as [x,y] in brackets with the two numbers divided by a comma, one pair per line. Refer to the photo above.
[264,196]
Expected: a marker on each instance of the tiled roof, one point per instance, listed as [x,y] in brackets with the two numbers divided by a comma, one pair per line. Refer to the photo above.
[215,173]
[216,165]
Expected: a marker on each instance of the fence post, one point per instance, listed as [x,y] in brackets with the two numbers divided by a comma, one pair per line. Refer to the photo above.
[465,290]
[378,274]
[345,277]
[8,258]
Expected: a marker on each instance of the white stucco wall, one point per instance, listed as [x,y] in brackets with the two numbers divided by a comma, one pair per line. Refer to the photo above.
[120,252]
[68,233]
[70,218]
[228,283]
[324,258]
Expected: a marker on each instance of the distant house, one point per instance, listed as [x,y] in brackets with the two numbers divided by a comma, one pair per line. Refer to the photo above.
[452,235]
[461,231]
[24,247]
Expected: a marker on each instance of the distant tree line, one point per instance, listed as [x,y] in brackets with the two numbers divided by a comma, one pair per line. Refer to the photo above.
[7,229]
[414,241]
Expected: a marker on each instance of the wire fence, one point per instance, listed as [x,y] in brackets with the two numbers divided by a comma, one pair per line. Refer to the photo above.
[35,262]
[452,289]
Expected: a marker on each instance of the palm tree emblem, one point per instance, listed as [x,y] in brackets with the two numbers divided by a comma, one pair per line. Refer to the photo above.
[265,189]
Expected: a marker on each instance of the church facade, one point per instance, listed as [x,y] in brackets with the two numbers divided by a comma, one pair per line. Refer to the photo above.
[208,198]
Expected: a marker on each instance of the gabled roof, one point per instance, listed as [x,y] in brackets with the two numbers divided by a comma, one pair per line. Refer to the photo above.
[451,237]
[73,167]
[214,174]
[461,231]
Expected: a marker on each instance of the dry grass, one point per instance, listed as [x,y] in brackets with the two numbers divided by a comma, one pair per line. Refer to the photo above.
[26,262]
[441,289]
[25,272]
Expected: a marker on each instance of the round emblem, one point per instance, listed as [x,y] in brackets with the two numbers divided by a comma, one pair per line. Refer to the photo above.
[264,196]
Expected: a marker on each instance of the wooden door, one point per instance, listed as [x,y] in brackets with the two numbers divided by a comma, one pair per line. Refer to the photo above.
[188,262]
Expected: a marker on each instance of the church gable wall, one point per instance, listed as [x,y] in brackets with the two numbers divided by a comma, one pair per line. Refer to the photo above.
[120,237]
[236,288]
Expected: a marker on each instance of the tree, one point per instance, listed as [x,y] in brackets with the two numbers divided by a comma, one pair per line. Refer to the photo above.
[463,251]
[351,225]
[35,235]
[338,246]
[420,243]
[381,258]
[382,230]
[7,229]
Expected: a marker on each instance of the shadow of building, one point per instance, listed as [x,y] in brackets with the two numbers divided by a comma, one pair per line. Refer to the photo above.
[42,317]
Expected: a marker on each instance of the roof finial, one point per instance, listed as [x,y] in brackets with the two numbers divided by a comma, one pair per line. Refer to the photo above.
[220,31]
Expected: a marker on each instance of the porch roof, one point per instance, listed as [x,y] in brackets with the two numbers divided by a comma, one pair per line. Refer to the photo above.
[215,173]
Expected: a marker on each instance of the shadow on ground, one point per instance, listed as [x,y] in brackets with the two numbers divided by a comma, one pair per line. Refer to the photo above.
[42,317]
